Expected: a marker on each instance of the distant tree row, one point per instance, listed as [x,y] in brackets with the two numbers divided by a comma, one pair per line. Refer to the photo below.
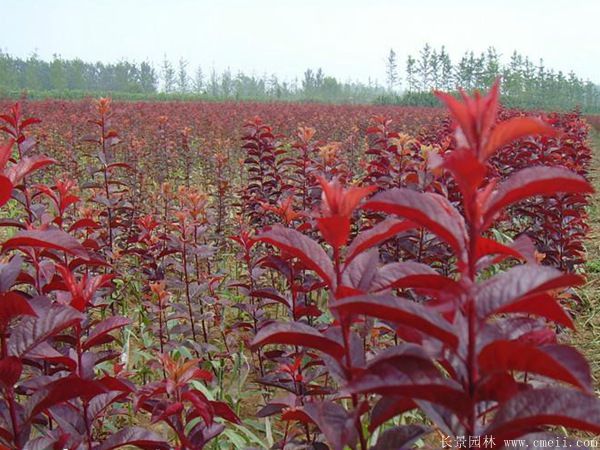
[63,75]
[524,83]
[314,85]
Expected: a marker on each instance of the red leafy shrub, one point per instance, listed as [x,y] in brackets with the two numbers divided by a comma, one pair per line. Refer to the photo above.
[175,401]
[556,223]
[479,356]
[396,285]
[265,166]
[55,393]
[60,383]
[397,160]
[496,336]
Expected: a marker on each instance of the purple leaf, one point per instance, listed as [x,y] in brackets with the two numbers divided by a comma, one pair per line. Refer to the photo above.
[31,332]
[400,437]
[136,436]
[508,287]
[399,310]
[308,251]
[297,333]
[533,181]
[431,211]
[560,362]
[99,332]
[379,233]
[534,408]
[50,239]
[411,274]
[406,371]
[334,422]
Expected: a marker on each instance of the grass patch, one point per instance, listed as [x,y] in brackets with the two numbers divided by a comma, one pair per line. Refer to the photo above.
[587,321]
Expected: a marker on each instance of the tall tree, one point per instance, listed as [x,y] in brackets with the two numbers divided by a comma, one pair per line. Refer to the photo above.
[182,76]
[168,75]
[411,74]
[147,78]
[199,80]
[391,70]
[424,68]
[447,82]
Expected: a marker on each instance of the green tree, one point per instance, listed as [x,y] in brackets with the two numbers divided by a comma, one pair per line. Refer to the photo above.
[168,76]
[182,76]
[391,70]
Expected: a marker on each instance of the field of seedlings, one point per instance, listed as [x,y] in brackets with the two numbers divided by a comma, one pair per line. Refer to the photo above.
[224,275]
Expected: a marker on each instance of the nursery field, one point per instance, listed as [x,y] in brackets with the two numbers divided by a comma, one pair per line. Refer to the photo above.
[244,275]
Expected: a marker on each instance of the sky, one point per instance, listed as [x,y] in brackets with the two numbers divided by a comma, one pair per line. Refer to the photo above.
[348,39]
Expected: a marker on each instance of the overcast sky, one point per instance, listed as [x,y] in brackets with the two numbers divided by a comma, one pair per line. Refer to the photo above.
[347,38]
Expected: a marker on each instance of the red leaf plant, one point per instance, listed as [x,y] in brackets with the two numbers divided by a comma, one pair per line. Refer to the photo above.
[477,354]
[185,409]
[54,392]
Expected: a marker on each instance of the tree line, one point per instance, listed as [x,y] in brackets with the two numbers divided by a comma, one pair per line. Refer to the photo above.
[61,76]
[525,84]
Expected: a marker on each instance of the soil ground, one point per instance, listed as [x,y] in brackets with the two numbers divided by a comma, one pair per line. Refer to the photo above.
[587,337]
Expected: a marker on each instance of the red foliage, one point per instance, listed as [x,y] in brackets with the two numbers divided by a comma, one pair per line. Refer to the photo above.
[391,293]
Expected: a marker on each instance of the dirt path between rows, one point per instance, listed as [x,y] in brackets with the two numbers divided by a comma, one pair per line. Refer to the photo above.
[587,337]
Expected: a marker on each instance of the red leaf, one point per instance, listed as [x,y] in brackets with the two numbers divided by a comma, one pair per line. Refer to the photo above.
[513,129]
[542,305]
[201,405]
[5,190]
[100,331]
[487,247]
[223,410]
[10,371]
[466,168]
[559,362]
[26,166]
[431,211]
[387,408]
[400,437]
[297,334]
[533,408]
[411,274]
[335,230]
[9,272]
[12,305]
[296,244]
[30,332]
[461,114]
[136,436]
[406,370]
[358,275]
[50,239]
[271,294]
[475,116]
[171,410]
[338,201]
[335,423]
[379,233]
[5,152]
[502,290]
[30,121]
[533,181]
[84,223]
[400,310]
[65,389]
